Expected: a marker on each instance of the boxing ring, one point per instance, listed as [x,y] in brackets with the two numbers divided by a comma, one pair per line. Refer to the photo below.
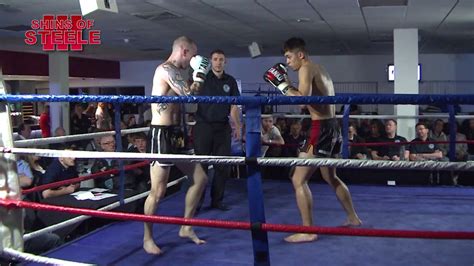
[283,211]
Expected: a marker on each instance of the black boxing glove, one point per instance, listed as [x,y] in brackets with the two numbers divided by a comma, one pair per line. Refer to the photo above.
[278,76]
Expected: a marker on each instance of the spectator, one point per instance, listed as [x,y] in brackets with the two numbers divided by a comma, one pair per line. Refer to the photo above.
[24,172]
[142,174]
[294,140]
[356,152]
[391,152]
[102,116]
[60,169]
[282,126]
[59,132]
[271,137]
[107,144]
[375,134]
[437,134]
[461,148]
[24,132]
[420,151]
[44,122]
[80,123]
[470,136]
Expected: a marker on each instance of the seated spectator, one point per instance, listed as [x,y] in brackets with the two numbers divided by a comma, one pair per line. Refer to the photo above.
[356,152]
[282,125]
[437,134]
[142,174]
[391,152]
[294,140]
[24,132]
[375,134]
[461,148]
[470,136]
[424,151]
[24,172]
[36,168]
[107,144]
[59,132]
[271,136]
[60,169]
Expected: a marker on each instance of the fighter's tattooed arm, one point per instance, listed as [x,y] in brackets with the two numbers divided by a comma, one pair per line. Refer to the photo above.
[176,80]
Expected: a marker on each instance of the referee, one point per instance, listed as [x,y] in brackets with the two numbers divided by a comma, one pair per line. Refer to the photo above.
[212,132]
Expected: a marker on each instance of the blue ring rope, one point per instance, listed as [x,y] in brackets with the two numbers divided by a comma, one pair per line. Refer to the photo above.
[338,99]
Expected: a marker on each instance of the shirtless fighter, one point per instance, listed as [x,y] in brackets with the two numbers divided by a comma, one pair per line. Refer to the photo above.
[325,138]
[172,79]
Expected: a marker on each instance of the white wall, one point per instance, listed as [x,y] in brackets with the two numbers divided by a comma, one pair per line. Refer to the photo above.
[342,68]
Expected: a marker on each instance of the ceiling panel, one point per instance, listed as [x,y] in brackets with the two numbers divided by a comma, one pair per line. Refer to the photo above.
[145,29]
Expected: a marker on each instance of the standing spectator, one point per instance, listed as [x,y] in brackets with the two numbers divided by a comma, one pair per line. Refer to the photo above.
[212,132]
[102,116]
[90,114]
[80,123]
[45,123]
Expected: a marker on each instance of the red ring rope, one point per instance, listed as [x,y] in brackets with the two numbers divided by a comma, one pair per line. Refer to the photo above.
[407,143]
[245,225]
[83,178]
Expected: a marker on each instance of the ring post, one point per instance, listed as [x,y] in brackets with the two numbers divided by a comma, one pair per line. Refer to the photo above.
[254,184]
[11,220]
[345,131]
[119,148]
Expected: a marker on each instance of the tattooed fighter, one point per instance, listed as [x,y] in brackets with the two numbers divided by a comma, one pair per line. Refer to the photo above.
[171,79]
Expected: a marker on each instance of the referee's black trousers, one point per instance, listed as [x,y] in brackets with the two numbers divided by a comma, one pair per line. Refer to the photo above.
[214,139]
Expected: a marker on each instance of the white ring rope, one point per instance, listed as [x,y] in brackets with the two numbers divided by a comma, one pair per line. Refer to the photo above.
[351,163]
[22,256]
[317,162]
[70,138]
[81,218]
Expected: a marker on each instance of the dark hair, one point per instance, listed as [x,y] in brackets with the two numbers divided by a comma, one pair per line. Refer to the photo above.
[421,124]
[21,127]
[217,51]
[393,120]
[294,44]
[140,135]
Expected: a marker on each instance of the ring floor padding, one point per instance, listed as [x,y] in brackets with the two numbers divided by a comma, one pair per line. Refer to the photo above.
[412,208]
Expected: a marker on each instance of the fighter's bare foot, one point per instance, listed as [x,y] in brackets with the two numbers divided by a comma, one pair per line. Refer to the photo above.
[301,238]
[352,223]
[188,232]
[151,248]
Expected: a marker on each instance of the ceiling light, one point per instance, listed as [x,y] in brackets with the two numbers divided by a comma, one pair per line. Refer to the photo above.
[303,20]
[382,3]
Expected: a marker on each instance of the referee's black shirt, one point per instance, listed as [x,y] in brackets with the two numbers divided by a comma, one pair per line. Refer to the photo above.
[213,86]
